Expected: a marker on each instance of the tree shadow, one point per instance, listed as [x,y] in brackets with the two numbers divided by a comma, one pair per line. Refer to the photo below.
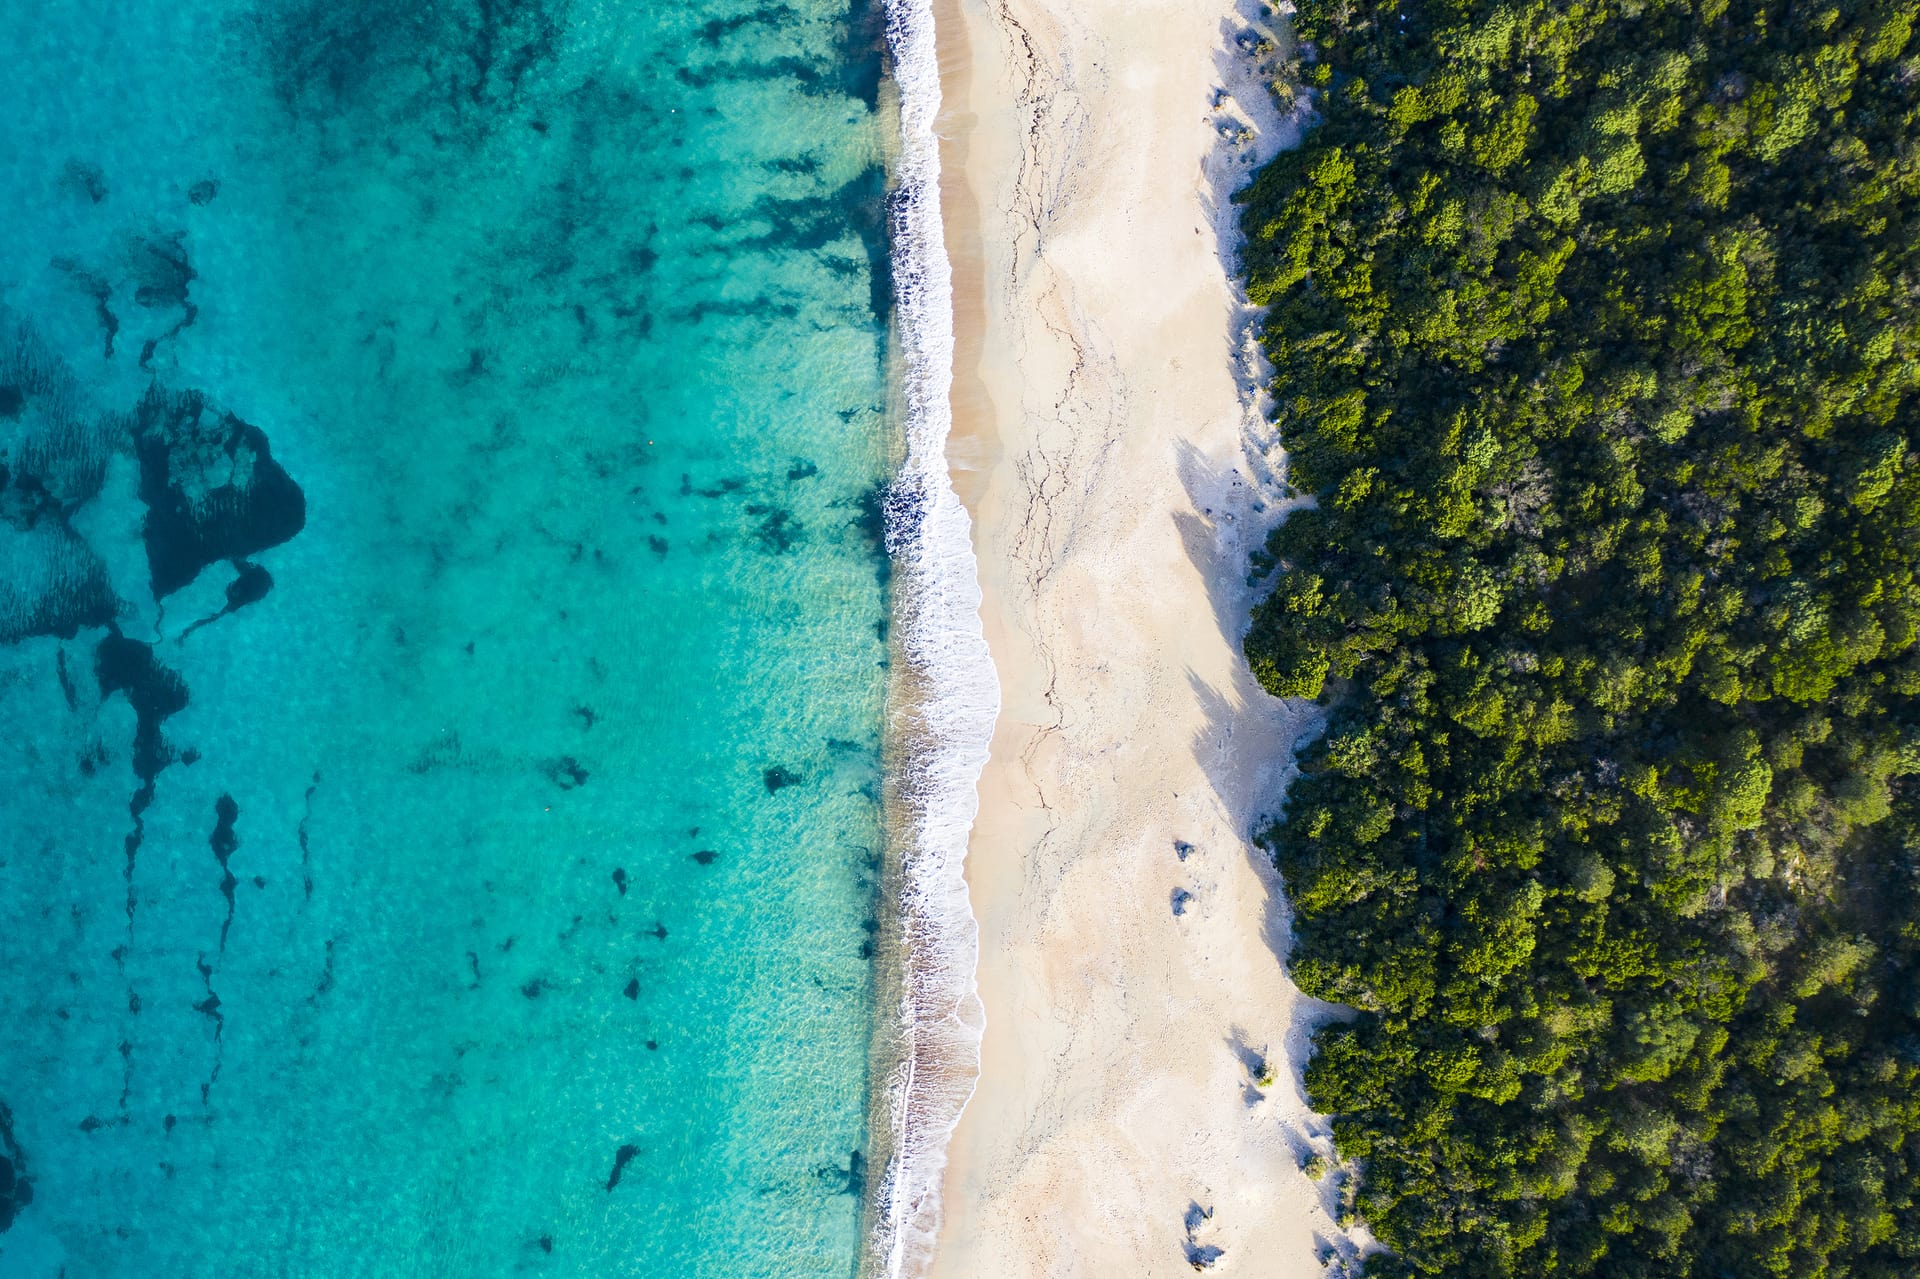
[1248,741]
[1252,123]
[1258,1067]
[1253,1060]
[1199,1255]
[1338,1254]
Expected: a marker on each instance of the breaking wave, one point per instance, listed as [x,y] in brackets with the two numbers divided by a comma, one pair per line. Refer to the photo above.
[950,699]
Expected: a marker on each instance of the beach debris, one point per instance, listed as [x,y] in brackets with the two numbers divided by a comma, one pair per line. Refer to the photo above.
[1180,899]
[1182,849]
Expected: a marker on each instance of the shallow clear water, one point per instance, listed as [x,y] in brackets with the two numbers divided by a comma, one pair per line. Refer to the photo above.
[494,893]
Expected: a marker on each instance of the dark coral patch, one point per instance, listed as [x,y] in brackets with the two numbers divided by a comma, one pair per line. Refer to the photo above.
[249,586]
[851,1180]
[101,292]
[224,843]
[621,1158]
[123,665]
[777,779]
[57,586]
[162,272]
[85,180]
[565,772]
[211,486]
[53,458]
[65,676]
[16,1191]
[778,530]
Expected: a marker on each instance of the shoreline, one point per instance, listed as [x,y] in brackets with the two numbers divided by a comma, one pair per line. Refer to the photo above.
[1111,456]
[942,700]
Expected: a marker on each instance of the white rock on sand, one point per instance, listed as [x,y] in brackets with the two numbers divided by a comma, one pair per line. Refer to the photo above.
[1101,443]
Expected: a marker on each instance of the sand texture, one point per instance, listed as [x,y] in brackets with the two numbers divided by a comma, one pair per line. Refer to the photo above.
[1105,442]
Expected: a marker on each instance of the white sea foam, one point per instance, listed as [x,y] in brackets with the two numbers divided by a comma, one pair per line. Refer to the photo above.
[954,694]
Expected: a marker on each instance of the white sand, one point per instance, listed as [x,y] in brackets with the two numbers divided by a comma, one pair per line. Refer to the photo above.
[1101,443]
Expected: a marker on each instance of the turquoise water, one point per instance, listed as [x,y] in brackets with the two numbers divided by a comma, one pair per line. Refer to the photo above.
[442,636]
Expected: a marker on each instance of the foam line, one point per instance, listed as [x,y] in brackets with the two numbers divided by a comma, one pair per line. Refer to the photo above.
[955,692]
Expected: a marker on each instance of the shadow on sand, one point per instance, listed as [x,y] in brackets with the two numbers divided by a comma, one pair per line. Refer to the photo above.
[1233,509]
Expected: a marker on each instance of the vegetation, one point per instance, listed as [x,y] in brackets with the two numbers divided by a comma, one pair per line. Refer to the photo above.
[1596,340]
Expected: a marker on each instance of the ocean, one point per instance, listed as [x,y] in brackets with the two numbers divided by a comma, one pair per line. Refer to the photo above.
[444,636]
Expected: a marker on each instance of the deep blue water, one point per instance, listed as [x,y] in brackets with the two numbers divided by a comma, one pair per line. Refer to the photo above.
[442,635]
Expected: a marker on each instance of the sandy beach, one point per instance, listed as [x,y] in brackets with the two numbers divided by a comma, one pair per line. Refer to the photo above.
[1130,935]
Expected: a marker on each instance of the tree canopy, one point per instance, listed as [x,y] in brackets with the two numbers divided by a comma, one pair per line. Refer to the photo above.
[1596,343]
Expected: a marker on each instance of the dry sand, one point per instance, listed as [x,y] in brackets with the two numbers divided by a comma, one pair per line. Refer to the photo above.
[1118,477]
